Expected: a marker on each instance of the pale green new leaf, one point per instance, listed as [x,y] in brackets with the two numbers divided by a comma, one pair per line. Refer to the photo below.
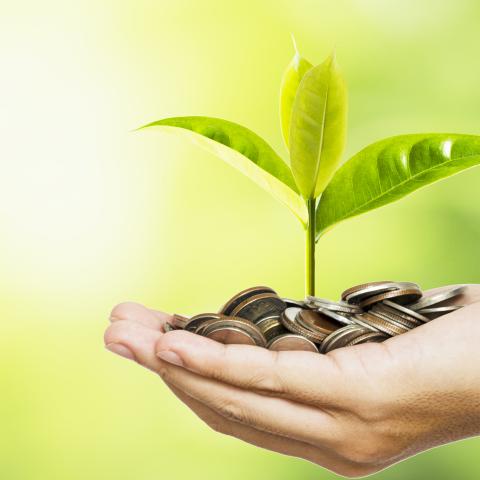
[390,169]
[292,77]
[244,150]
[318,128]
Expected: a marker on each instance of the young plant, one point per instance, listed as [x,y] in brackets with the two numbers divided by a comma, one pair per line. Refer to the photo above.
[313,115]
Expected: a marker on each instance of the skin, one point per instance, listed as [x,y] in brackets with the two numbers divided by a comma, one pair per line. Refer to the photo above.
[354,411]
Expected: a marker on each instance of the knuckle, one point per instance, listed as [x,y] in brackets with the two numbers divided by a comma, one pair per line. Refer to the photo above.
[370,452]
[232,411]
[267,381]
[115,332]
[217,426]
[122,311]
[269,378]
[164,372]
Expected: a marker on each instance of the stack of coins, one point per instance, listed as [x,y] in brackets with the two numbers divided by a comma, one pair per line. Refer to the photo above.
[371,312]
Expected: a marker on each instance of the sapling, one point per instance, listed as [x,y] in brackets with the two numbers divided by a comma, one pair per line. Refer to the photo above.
[313,185]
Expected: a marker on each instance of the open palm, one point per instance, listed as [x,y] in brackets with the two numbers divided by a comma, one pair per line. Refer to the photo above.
[355,410]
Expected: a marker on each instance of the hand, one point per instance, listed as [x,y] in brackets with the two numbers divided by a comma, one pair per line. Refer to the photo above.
[354,411]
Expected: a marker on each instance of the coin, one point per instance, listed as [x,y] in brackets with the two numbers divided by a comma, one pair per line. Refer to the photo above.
[228,308]
[402,296]
[294,303]
[370,312]
[341,306]
[382,324]
[407,310]
[344,319]
[380,311]
[366,338]
[289,321]
[339,338]
[234,330]
[317,322]
[378,288]
[271,327]
[440,310]
[167,327]
[259,306]
[292,342]
[363,286]
[197,320]
[430,300]
[179,321]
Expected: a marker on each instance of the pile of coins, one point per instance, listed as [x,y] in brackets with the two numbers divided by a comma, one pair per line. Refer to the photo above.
[371,312]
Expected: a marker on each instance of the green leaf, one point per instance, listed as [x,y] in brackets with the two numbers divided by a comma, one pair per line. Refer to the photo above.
[292,77]
[244,150]
[318,128]
[390,169]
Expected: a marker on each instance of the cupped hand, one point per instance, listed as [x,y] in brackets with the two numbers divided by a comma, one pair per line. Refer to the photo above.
[354,411]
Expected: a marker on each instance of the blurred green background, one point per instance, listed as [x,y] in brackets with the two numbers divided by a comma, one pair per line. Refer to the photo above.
[92,214]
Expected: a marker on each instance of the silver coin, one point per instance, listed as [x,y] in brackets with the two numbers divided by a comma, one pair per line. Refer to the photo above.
[343,307]
[383,324]
[393,318]
[289,321]
[402,317]
[430,300]
[339,338]
[441,310]
[367,338]
[167,327]
[289,302]
[374,289]
[406,310]
[360,320]
[343,319]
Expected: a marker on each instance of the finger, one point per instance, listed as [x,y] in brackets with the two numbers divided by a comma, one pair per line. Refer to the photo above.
[138,313]
[282,374]
[135,341]
[268,414]
[248,434]
[318,455]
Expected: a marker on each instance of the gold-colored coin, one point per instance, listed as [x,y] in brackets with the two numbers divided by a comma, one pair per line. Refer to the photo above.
[259,306]
[317,322]
[402,296]
[292,342]
[201,318]
[382,324]
[234,330]
[237,299]
[384,285]
[341,337]
[271,327]
[367,337]
[289,321]
[179,321]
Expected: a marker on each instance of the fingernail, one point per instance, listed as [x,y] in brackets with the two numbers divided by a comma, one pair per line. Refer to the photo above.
[121,350]
[170,357]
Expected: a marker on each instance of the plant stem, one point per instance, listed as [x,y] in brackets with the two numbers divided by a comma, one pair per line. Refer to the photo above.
[310,249]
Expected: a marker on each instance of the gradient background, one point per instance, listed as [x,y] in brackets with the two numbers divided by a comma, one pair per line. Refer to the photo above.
[92,214]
